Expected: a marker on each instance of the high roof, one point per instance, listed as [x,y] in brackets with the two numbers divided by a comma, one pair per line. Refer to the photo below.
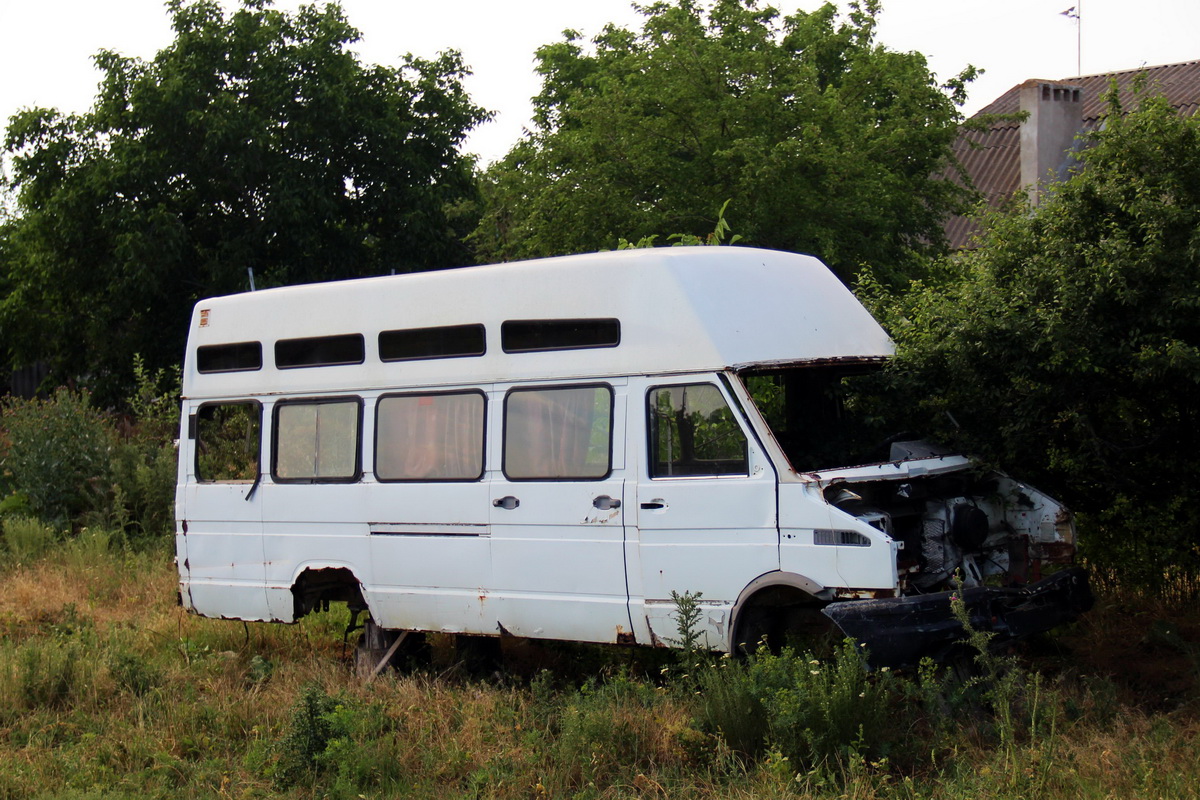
[992,157]
[679,308]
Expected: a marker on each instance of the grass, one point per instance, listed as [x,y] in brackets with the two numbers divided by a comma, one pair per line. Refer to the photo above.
[108,689]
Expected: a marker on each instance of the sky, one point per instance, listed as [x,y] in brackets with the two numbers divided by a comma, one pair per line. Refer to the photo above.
[46,46]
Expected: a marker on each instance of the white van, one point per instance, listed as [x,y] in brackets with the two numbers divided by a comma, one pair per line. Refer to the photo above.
[551,449]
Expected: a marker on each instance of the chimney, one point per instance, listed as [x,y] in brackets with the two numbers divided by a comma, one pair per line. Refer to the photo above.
[1055,117]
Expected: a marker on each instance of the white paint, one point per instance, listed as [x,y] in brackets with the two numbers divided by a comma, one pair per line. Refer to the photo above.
[594,559]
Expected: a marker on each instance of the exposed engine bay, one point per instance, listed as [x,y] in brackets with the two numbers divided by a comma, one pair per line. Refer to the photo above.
[1005,548]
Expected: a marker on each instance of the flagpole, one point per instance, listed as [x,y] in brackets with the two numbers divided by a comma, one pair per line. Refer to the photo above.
[1075,12]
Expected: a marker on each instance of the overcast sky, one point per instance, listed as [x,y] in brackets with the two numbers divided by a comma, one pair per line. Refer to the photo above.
[46,45]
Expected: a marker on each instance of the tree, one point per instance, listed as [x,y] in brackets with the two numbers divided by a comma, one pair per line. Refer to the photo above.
[1067,346]
[254,140]
[824,140]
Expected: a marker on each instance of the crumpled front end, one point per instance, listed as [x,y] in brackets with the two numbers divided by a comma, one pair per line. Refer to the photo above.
[1003,546]
[900,631]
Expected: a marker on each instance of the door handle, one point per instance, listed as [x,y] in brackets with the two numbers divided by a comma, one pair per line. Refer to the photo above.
[654,505]
[508,502]
[604,503]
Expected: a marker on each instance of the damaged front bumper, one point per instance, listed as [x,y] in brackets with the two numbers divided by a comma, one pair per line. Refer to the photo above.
[901,631]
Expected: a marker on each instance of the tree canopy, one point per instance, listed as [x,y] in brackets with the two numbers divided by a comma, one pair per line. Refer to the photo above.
[257,140]
[1067,346]
[824,140]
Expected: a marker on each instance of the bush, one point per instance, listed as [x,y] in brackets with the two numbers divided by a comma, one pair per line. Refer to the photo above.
[27,538]
[57,453]
[810,712]
[144,461]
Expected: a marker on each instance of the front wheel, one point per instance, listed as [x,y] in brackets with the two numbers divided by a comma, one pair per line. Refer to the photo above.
[779,622]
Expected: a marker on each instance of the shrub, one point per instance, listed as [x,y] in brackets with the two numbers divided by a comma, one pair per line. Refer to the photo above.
[51,672]
[58,453]
[144,460]
[27,538]
[810,712]
[310,730]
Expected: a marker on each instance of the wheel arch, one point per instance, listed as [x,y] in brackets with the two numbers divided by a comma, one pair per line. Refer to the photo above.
[771,589]
[319,584]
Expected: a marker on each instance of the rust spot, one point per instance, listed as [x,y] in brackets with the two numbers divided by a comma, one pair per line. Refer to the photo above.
[1058,552]
[624,636]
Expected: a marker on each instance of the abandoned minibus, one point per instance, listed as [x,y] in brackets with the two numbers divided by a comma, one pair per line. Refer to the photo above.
[554,449]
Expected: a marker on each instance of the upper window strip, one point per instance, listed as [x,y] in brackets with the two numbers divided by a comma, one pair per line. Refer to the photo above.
[447,341]
[537,335]
[320,351]
[235,357]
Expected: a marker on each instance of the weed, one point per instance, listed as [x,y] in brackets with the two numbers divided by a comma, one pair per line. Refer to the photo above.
[309,732]
[27,538]
[58,453]
[133,673]
[51,672]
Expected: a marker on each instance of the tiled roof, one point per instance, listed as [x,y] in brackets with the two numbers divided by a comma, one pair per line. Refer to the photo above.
[992,156]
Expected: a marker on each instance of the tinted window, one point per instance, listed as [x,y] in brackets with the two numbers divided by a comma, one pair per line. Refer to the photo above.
[694,432]
[429,437]
[228,437]
[532,335]
[558,434]
[320,351]
[317,441]
[449,341]
[239,357]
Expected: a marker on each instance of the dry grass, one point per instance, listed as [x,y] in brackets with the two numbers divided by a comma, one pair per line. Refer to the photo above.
[108,688]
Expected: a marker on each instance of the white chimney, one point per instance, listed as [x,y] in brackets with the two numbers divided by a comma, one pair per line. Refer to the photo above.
[1055,117]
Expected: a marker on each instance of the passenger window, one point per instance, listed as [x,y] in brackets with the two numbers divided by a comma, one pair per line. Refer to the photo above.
[694,432]
[558,433]
[429,437]
[317,441]
[228,438]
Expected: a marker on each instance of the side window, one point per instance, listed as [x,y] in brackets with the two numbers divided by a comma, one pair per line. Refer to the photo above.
[429,437]
[559,433]
[228,442]
[317,440]
[694,432]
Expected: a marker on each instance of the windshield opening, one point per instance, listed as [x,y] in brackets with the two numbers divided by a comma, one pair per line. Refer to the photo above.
[822,415]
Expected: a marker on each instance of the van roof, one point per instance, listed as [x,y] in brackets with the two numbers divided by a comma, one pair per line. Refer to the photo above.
[680,309]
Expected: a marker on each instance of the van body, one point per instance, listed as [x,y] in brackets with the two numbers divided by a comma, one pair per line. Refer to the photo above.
[558,448]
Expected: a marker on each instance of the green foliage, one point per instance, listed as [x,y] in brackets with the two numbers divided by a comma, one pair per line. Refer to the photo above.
[687,624]
[812,712]
[57,453]
[1067,346]
[27,538]
[99,699]
[824,140]
[51,672]
[133,673]
[721,232]
[256,139]
[144,460]
[312,727]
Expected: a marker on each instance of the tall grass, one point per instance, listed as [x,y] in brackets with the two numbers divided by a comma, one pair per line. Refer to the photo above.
[108,689]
